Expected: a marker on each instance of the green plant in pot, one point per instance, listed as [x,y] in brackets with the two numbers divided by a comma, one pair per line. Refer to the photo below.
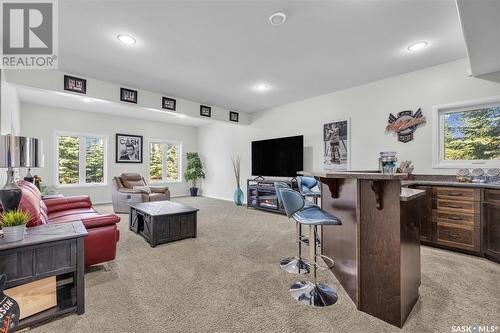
[13,224]
[194,171]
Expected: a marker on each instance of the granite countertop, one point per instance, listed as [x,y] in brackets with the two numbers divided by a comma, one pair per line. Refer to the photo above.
[355,174]
[449,183]
[408,194]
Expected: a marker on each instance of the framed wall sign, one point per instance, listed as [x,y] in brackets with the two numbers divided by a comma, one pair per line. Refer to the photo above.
[234,116]
[75,84]
[168,103]
[128,95]
[205,111]
[336,145]
[128,148]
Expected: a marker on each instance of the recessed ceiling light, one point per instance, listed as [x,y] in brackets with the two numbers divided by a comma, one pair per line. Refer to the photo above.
[277,18]
[126,39]
[262,87]
[417,46]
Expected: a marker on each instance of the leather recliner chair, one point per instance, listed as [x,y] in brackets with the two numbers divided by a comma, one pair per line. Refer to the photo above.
[131,188]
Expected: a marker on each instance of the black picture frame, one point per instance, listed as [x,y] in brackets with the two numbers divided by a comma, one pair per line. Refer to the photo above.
[168,103]
[205,111]
[75,84]
[234,116]
[123,143]
[128,95]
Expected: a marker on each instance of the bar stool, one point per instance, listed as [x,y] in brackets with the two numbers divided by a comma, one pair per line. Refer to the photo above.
[306,185]
[312,293]
[296,264]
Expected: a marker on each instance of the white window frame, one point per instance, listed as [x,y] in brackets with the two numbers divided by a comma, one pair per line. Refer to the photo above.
[164,169]
[82,160]
[438,160]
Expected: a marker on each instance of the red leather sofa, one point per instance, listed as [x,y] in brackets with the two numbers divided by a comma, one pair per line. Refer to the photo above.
[100,244]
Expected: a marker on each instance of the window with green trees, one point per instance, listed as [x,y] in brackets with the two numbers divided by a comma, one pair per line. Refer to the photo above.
[471,135]
[80,159]
[164,161]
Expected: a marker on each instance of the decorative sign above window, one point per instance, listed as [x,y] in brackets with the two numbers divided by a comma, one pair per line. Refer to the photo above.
[405,123]
[75,84]
[128,95]
[9,310]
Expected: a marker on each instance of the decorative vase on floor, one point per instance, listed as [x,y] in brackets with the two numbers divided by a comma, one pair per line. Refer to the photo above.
[194,191]
[238,196]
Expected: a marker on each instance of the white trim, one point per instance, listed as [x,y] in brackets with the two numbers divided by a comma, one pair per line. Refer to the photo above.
[164,179]
[438,161]
[82,161]
[218,198]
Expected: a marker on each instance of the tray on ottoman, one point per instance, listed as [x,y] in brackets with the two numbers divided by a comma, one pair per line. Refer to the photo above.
[162,221]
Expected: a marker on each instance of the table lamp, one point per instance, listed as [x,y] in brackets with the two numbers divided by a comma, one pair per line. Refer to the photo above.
[17,152]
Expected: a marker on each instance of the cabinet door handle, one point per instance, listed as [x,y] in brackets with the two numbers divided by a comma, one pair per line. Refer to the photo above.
[456,218]
[454,235]
[455,194]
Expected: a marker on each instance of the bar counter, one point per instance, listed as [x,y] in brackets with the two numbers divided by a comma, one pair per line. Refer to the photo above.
[377,247]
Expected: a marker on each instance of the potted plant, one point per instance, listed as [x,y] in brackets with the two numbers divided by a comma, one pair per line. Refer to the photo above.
[14,224]
[194,171]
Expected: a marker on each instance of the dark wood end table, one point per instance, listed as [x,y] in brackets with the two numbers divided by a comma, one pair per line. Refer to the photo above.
[49,250]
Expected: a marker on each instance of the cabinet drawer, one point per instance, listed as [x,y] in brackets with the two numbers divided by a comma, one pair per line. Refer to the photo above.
[451,217]
[492,196]
[457,206]
[456,236]
[457,193]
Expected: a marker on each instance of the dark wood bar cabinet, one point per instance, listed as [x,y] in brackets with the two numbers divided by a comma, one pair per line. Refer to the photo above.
[377,247]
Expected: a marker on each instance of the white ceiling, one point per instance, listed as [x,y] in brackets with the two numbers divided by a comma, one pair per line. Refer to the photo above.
[214,52]
[82,103]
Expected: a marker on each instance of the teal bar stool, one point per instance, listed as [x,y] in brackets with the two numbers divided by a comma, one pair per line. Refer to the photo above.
[296,264]
[311,293]
[307,187]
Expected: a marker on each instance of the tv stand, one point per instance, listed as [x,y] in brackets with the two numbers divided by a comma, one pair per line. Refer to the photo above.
[261,194]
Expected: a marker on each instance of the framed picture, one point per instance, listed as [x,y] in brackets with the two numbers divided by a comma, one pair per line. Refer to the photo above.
[336,145]
[128,95]
[168,103]
[205,111]
[75,84]
[233,116]
[128,148]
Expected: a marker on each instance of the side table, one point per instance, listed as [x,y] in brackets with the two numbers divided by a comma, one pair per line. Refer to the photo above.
[48,250]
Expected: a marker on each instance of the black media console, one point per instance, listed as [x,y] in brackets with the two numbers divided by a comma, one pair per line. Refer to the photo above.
[261,194]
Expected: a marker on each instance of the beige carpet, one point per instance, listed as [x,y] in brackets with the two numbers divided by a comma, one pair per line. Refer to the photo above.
[229,280]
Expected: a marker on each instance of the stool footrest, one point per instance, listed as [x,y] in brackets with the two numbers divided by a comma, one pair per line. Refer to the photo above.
[295,265]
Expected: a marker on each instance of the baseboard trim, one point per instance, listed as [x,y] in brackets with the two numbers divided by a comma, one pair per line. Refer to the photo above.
[218,198]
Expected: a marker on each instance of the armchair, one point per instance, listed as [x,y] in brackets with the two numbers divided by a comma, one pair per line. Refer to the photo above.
[131,188]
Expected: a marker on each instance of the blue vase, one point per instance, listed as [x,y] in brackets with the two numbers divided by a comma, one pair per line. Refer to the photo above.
[238,196]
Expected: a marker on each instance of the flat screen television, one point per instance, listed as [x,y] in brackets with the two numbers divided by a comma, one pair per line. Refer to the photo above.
[281,157]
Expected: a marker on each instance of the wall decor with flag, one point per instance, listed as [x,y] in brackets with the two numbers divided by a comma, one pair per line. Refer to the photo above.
[405,123]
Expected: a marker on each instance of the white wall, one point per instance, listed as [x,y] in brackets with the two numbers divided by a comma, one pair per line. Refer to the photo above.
[43,121]
[9,115]
[367,105]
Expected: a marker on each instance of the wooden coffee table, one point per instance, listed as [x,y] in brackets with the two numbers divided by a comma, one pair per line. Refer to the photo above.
[163,221]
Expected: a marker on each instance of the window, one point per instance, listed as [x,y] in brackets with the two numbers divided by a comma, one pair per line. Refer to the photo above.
[80,159]
[164,161]
[469,135]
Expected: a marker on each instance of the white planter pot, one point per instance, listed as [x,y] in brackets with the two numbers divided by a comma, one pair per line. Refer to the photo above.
[14,234]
